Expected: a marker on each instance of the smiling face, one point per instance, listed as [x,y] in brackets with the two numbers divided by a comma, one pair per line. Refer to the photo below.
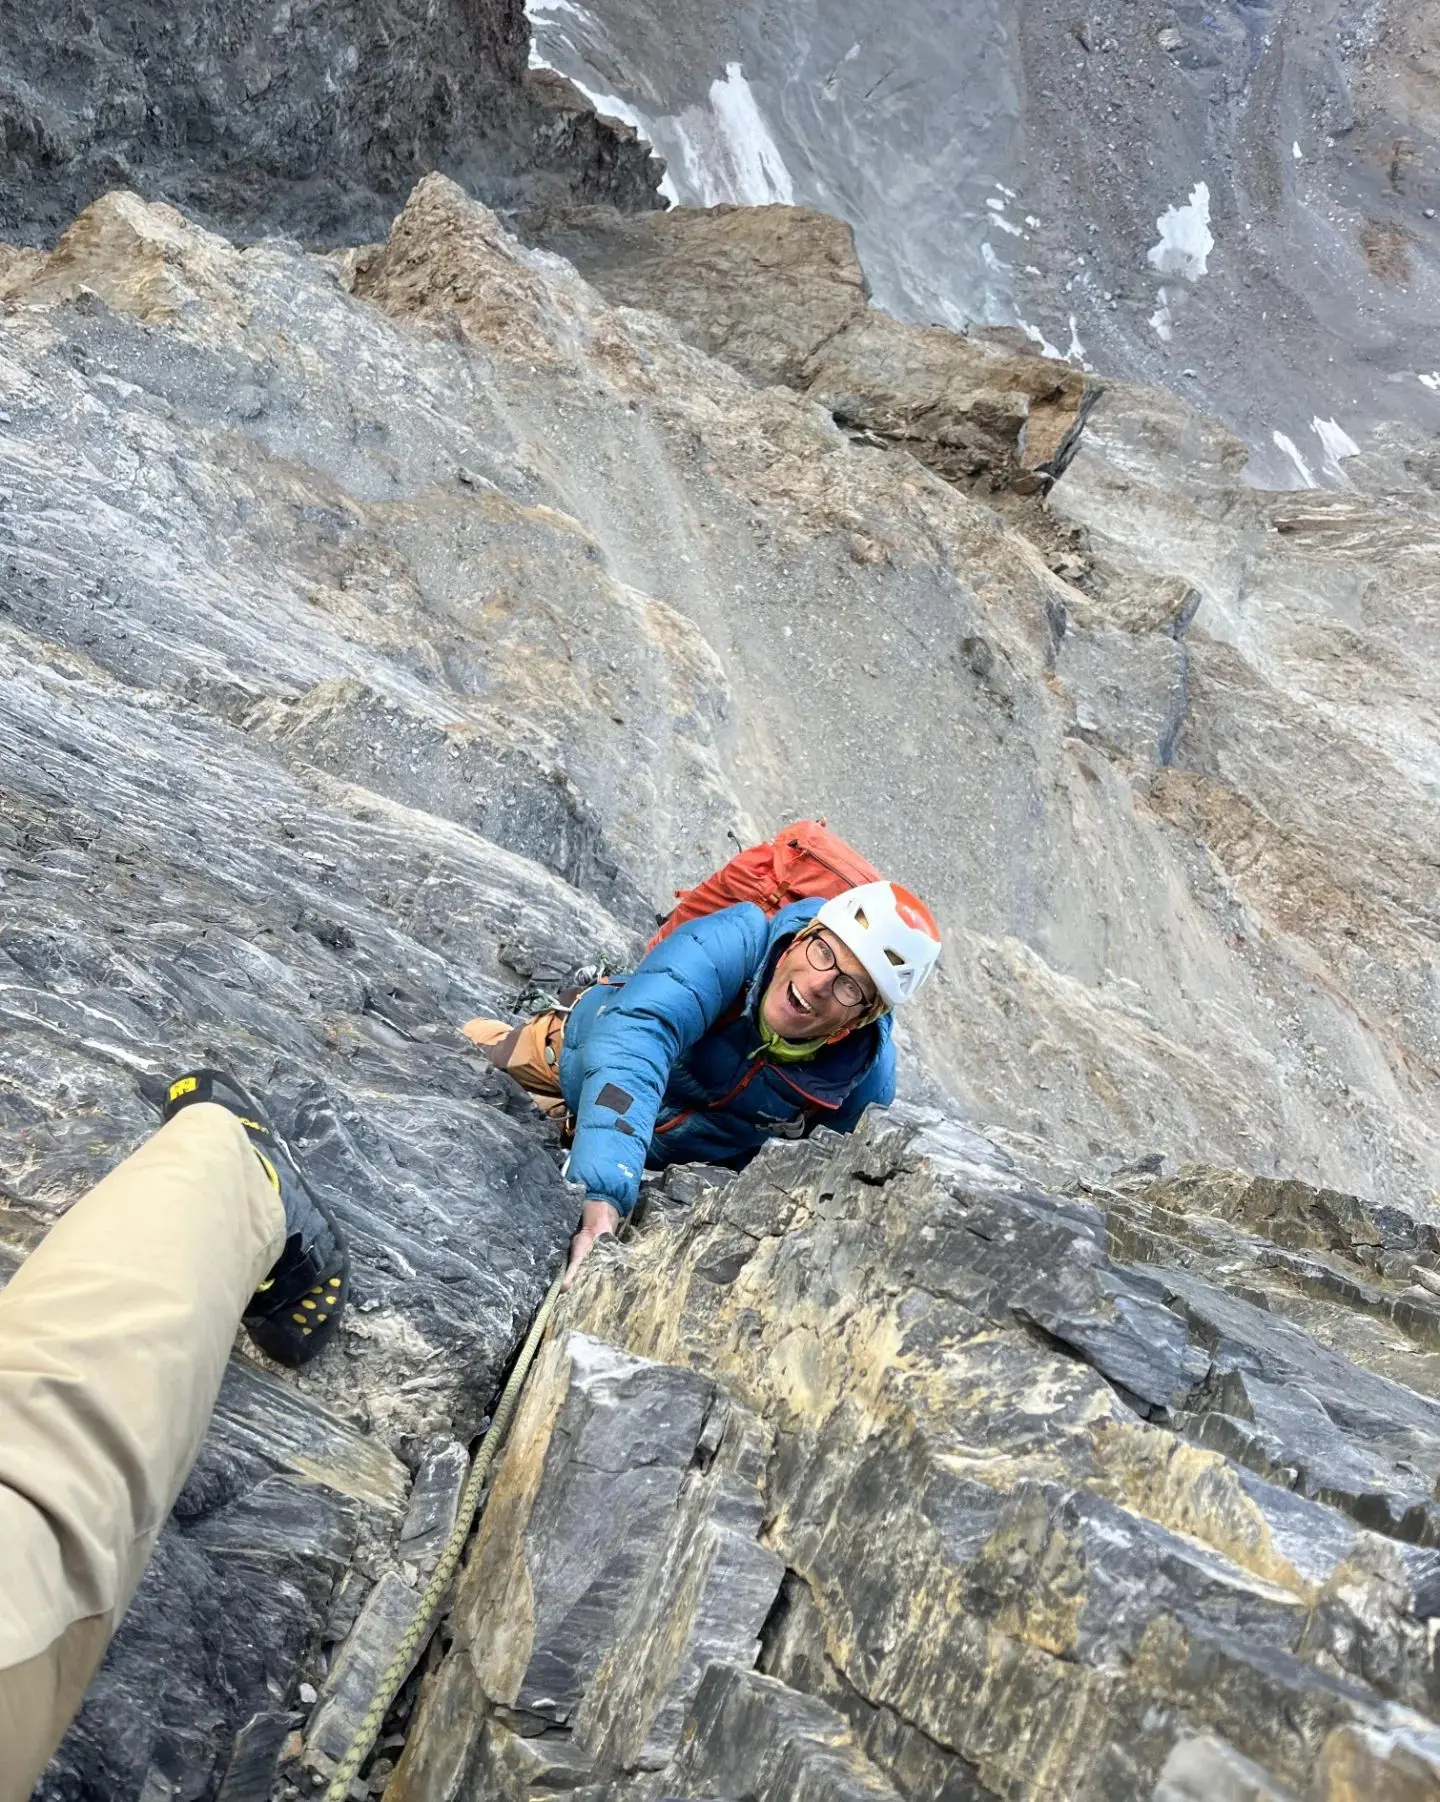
[800,1003]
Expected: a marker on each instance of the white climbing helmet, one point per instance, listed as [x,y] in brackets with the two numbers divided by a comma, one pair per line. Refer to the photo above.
[891,931]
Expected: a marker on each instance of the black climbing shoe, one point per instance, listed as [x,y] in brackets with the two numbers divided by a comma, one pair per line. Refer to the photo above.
[295,1312]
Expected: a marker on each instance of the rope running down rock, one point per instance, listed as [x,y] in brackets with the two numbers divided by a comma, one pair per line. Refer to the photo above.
[423,1625]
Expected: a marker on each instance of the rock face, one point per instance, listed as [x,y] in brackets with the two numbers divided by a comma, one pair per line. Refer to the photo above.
[313,121]
[779,292]
[384,633]
[1037,1521]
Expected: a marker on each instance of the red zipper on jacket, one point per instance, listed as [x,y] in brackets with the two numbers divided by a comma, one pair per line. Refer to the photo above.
[756,1067]
[710,1106]
[817,1100]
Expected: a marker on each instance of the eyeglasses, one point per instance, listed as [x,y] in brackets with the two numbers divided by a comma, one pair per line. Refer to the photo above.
[845,989]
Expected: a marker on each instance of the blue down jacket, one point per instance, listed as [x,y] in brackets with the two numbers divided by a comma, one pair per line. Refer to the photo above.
[662,1067]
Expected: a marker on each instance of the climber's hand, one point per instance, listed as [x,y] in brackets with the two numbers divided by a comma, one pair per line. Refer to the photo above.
[597,1218]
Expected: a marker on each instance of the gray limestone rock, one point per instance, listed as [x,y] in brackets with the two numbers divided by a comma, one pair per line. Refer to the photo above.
[1207,1770]
[616,1561]
[1001,1579]
[752,1737]
[390,1610]
[778,292]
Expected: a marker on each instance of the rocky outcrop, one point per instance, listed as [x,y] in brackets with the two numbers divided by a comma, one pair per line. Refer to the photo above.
[311,121]
[779,292]
[1037,1521]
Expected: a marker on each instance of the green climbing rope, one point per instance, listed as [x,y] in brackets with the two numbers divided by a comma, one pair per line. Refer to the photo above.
[423,1624]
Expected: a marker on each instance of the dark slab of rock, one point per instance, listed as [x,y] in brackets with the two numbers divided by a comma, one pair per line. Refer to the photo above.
[229,1608]
[249,1777]
[434,1504]
[315,126]
[1355,1276]
[616,1560]
[1296,1216]
[1357,1439]
[389,1611]
[753,1737]
[481,774]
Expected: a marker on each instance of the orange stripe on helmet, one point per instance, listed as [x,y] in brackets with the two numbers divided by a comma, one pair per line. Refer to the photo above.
[913,911]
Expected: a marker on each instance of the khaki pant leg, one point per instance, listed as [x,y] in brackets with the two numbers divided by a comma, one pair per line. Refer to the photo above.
[114,1335]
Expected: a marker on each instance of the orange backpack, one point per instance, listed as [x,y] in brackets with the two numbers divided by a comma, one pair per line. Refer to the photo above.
[803,859]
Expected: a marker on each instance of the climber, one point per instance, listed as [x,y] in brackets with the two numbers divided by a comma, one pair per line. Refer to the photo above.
[732,1030]
[114,1334]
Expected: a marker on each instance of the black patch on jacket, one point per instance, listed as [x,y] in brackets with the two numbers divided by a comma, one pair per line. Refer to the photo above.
[613,1097]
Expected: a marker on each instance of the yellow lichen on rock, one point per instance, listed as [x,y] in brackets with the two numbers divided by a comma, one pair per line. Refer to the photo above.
[146,259]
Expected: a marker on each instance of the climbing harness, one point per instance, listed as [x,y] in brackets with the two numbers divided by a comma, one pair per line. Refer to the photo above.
[420,1629]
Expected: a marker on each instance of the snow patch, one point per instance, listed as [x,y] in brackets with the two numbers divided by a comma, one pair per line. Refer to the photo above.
[1431,381]
[1185,237]
[1292,451]
[1335,444]
[1297,152]
[1076,352]
[724,152]
[1036,336]
[1162,318]
[756,168]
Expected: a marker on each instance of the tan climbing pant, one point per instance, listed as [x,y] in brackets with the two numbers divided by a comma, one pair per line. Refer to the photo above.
[529,1052]
[113,1338]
